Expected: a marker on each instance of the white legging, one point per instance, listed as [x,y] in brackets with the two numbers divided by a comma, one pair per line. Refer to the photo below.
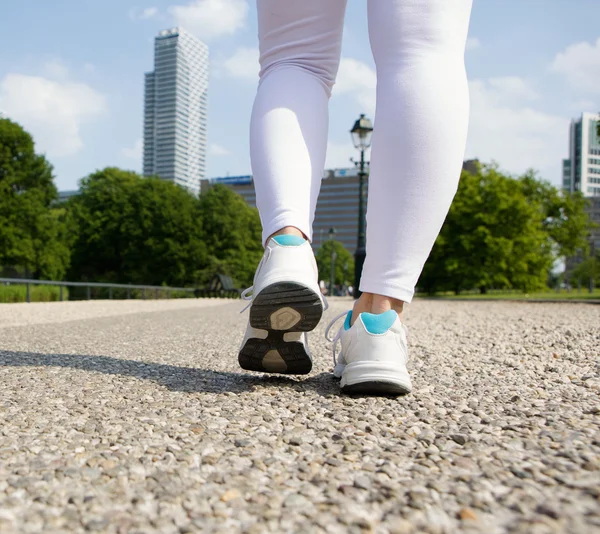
[419,133]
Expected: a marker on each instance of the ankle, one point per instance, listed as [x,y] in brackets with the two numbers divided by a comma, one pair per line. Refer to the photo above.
[288,230]
[372,303]
[381,304]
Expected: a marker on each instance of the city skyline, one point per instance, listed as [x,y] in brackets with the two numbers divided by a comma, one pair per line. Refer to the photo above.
[74,79]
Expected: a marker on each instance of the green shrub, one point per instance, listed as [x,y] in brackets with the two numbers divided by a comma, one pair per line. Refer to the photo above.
[18,293]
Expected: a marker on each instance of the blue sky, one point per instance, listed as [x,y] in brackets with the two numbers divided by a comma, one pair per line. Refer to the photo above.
[71,72]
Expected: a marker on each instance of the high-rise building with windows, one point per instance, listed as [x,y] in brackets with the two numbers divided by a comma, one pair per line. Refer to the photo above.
[175,110]
[581,170]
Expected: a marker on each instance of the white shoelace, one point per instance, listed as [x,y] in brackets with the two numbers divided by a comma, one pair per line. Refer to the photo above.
[246,296]
[335,339]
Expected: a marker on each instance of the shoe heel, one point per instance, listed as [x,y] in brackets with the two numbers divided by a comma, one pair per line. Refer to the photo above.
[286,307]
[274,355]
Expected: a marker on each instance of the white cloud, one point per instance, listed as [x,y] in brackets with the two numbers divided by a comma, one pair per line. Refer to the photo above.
[507,89]
[149,12]
[218,150]
[135,13]
[580,64]
[211,18]
[473,43]
[507,129]
[134,152]
[53,111]
[243,64]
[359,80]
[56,69]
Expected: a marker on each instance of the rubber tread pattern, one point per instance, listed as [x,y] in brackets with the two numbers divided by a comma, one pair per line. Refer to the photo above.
[294,355]
[286,295]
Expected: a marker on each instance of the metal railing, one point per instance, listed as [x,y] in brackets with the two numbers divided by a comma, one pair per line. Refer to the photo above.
[145,290]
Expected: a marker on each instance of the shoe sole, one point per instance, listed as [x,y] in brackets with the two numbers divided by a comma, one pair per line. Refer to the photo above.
[279,309]
[375,387]
[375,378]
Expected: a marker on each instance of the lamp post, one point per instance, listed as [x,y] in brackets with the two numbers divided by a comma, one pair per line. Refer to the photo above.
[361,137]
[333,258]
[593,263]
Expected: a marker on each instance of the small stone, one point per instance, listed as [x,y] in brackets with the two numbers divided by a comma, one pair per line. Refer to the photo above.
[107,465]
[333,461]
[591,466]
[461,439]
[362,482]
[466,514]
[295,440]
[295,500]
[197,430]
[242,442]
[400,526]
[548,510]
[96,524]
[230,495]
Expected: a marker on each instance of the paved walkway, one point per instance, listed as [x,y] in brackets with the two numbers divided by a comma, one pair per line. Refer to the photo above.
[133,417]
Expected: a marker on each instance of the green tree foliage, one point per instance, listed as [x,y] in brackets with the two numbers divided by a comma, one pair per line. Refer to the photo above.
[343,258]
[32,234]
[564,217]
[131,229]
[588,268]
[232,235]
[503,233]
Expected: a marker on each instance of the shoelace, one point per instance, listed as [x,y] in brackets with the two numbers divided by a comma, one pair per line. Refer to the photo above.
[335,339]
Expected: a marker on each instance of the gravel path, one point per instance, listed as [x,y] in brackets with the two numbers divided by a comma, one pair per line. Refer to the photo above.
[125,420]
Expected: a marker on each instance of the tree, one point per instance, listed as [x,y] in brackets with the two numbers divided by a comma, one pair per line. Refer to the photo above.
[232,235]
[588,268]
[563,214]
[496,235]
[343,258]
[31,233]
[131,229]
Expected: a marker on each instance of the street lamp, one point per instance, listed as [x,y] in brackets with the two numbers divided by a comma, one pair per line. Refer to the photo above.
[361,137]
[333,257]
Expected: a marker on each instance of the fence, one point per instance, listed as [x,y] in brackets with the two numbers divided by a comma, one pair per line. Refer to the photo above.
[217,288]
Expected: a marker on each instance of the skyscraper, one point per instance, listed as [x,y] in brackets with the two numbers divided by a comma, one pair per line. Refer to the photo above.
[581,170]
[175,110]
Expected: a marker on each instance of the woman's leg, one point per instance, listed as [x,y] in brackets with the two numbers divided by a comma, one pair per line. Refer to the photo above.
[300,44]
[418,141]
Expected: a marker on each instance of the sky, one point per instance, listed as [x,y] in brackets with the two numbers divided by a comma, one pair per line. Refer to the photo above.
[72,73]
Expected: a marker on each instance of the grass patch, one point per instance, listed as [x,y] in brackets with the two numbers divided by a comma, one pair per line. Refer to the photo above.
[563,294]
[18,293]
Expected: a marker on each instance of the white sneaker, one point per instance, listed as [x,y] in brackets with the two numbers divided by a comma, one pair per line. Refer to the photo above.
[373,356]
[286,303]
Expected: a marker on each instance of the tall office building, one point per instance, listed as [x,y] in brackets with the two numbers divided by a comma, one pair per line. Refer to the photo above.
[581,170]
[175,110]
